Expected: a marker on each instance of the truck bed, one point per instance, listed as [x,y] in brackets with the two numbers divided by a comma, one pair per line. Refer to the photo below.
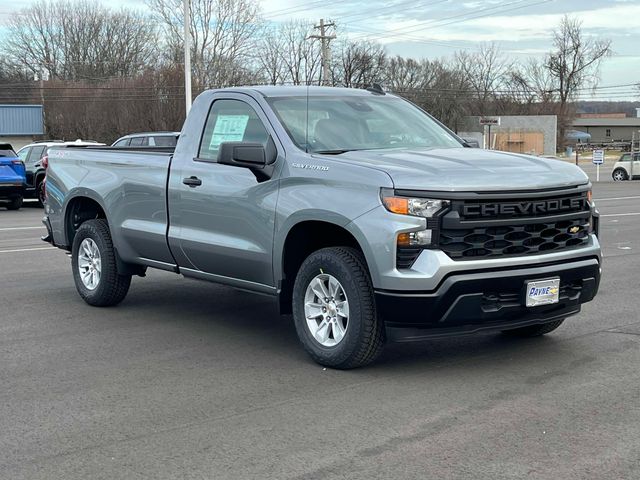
[138,175]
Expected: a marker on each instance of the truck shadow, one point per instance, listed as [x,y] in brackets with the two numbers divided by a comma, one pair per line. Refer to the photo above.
[243,322]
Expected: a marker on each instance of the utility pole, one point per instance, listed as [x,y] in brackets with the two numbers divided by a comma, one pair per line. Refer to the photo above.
[187,55]
[324,42]
[633,154]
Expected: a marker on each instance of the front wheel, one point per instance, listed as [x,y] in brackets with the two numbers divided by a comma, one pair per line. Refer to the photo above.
[93,261]
[334,309]
[619,175]
[534,330]
[15,203]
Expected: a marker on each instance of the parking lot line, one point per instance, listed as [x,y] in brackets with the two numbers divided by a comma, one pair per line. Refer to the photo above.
[620,214]
[616,198]
[26,249]
[20,228]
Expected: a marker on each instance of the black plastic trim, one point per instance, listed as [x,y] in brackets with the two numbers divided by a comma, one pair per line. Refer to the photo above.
[468,301]
[502,194]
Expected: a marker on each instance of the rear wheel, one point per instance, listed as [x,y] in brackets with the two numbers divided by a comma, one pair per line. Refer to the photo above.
[619,175]
[534,330]
[15,203]
[93,261]
[334,309]
[40,192]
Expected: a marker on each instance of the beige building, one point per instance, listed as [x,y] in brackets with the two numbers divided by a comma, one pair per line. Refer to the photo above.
[608,129]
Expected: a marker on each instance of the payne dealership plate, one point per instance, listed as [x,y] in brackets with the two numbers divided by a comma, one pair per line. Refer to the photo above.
[542,292]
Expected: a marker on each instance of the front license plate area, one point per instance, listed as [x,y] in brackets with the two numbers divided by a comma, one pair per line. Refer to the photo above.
[542,292]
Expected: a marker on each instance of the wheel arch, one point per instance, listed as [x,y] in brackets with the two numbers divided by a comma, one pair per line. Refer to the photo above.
[79,209]
[301,239]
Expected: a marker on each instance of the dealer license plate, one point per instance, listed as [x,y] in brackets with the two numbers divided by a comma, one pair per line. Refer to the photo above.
[543,292]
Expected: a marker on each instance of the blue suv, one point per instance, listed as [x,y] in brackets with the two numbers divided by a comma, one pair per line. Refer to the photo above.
[12,177]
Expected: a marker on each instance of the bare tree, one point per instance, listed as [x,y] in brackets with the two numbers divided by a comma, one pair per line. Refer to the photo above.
[270,57]
[574,63]
[223,34]
[73,39]
[485,71]
[359,64]
[301,55]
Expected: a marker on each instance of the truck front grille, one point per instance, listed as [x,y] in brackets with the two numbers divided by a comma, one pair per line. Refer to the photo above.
[514,239]
[480,229]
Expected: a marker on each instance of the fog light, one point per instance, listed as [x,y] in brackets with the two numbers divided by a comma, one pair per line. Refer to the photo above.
[415,239]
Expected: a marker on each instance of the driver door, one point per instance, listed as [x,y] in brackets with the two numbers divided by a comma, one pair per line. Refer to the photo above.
[222,217]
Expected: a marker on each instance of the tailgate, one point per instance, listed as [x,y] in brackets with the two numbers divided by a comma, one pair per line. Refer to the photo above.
[12,171]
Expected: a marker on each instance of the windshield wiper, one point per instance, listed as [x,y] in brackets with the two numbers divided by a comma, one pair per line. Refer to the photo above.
[336,151]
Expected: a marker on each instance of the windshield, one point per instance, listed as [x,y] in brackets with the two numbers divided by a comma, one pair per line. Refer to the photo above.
[345,123]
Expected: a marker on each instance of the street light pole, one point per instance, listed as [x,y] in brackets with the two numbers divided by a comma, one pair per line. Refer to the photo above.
[187,56]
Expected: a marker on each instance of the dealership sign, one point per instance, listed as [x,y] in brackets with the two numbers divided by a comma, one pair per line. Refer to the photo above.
[490,121]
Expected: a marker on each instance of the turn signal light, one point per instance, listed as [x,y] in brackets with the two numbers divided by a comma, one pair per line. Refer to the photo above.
[397,205]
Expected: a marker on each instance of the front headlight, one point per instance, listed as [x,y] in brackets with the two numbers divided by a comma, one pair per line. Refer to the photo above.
[417,207]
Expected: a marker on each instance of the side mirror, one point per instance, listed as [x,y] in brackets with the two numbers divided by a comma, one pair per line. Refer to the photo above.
[254,156]
[470,142]
[242,154]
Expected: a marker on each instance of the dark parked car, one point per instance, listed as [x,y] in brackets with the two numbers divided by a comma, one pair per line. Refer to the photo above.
[32,155]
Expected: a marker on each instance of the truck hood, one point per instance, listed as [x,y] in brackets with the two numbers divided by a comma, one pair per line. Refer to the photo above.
[467,169]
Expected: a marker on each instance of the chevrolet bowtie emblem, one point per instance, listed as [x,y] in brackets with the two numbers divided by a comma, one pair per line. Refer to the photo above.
[574,229]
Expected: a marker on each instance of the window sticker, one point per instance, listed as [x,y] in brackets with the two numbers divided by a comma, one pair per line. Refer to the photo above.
[228,128]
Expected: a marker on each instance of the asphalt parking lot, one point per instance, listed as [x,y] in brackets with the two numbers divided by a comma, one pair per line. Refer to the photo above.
[192,380]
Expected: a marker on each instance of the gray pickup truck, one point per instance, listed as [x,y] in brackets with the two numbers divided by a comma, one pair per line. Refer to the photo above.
[362,215]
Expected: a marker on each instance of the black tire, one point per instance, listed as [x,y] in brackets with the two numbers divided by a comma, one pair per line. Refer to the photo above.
[364,337]
[534,330]
[619,175]
[40,192]
[112,287]
[15,203]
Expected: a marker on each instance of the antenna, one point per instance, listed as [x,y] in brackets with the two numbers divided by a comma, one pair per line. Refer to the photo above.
[376,88]
[306,130]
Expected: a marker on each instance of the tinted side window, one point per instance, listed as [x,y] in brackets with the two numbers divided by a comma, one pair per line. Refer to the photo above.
[122,143]
[138,141]
[165,141]
[231,121]
[24,153]
[36,154]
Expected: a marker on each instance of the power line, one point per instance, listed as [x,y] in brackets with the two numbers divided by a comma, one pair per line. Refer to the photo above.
[460,18]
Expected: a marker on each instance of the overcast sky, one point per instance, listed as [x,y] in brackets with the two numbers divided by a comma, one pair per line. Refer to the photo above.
[436,28]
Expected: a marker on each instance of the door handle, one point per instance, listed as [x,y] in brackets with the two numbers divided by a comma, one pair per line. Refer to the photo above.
[192,181]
